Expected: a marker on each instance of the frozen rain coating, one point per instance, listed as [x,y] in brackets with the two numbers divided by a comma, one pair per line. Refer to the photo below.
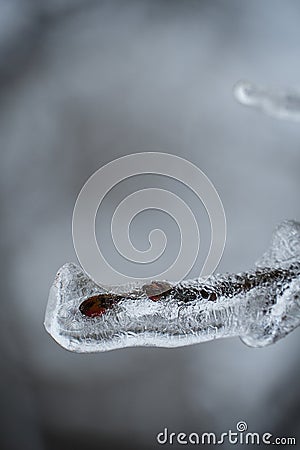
[282,104]
[261,306]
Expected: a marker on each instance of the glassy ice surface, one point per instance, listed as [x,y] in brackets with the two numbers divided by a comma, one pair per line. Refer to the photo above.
[261,306]
[281,104]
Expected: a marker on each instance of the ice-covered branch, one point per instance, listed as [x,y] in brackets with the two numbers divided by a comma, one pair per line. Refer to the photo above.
[282,104]
[261,306]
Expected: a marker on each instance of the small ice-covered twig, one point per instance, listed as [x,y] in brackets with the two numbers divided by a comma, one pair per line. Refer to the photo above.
[282,104]
[261,306]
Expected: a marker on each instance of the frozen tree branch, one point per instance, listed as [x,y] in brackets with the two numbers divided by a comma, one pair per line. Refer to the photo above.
[282,104]
[261,306]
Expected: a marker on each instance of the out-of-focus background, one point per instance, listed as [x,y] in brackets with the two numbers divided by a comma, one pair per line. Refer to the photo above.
[82,83]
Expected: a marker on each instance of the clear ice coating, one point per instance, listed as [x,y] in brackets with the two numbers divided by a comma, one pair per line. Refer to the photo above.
[260,306]
[280,104]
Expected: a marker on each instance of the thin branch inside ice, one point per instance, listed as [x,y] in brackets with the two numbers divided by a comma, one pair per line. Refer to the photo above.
[282,104]
[260,306]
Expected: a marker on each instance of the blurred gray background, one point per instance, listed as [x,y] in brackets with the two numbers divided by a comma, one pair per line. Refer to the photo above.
[82,83]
